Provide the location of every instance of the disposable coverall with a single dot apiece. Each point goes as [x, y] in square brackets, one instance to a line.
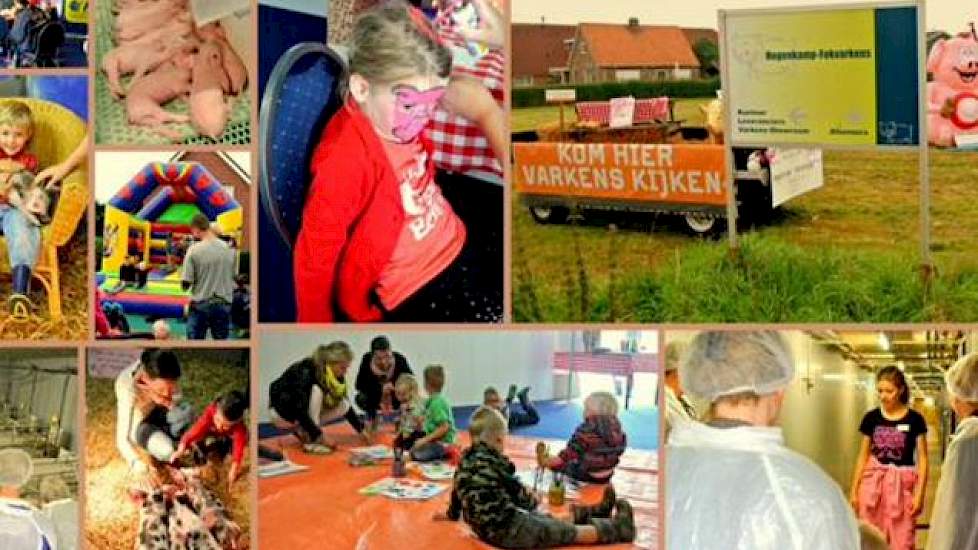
[740, 488]
[952, 523]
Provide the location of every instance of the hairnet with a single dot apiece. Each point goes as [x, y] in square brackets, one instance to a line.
[719, 363]
[962, 378]
[16, 467]
[674, 352]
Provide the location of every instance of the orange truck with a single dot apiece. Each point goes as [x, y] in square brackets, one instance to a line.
[555, 179]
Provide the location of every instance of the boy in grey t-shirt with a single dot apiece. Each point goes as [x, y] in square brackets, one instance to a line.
[208, 272]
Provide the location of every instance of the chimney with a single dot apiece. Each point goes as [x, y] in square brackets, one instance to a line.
[633, 22]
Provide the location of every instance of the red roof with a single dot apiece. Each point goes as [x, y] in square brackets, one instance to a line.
[637, 46]
[537, 48]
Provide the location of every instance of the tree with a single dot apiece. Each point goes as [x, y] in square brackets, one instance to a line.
[708, 55]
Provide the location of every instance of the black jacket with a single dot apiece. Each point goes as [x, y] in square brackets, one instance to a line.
[289, 396]
[371, 388]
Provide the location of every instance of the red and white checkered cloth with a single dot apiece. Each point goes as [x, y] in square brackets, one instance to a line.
[620, 364]
[460, 145]
[646, 110]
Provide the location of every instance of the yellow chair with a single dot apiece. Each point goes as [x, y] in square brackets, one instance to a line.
[57, 132]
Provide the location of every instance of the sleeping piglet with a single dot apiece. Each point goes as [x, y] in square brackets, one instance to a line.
[209, 111]
[149, 93]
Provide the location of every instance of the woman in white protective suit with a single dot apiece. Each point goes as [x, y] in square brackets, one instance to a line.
[953, 525]
[731, 484]
[22, 526]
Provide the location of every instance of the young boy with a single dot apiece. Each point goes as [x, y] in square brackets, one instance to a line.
[597, 444]
[223, 422]
[439, 423]
[410, 423]
[23, 237]
[501, 510]
[527, 417]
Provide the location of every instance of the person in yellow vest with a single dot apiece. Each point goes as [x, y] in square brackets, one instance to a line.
[313, 392]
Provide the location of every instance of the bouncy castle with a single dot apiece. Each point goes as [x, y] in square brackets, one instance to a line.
[147, 231]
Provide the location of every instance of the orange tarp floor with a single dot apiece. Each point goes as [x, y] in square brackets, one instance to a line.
[322, 508]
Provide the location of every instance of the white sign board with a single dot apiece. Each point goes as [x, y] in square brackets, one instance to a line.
[795, 172]
[561, 96]
[622, 112]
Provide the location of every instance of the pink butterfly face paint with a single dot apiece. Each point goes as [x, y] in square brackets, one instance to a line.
[413, 110]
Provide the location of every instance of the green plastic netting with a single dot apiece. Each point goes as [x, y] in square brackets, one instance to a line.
[111, 126]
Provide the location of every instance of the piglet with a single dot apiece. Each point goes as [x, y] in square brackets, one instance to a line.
[209, 111]
[213, 513]
[175, 29]
[149, 14]
[33, 200]
[140, 27]
[139, 61]
[153, 529]
[234, 67]
[144, 104]
[187, 529]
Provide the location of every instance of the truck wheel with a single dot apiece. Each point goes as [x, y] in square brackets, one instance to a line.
[549, 214]
[702, 225]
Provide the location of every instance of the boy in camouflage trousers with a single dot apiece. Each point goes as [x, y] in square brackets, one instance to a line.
[501, 511]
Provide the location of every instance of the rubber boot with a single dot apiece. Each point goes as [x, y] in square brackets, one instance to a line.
[583, 514]
[523, 396]
[18, 303]
[621, 528]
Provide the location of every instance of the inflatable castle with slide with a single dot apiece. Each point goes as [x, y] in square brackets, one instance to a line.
[147, 231]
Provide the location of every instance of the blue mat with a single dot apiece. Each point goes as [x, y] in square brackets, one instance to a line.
[557, 421]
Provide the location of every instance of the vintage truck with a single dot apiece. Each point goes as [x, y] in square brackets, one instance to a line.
[656, 167]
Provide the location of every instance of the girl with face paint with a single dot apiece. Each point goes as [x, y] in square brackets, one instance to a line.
[378, 240]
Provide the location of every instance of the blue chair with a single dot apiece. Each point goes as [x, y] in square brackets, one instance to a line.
[299, 99]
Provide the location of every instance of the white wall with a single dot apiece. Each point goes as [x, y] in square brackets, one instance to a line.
[472, 359]
[824, 406]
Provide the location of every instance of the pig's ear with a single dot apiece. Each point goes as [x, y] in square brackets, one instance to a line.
[936, 55]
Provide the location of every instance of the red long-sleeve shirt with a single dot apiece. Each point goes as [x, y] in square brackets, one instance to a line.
[205, 427]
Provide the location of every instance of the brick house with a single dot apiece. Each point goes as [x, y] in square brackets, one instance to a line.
[540, 53]
[608, 53]
[230, 174]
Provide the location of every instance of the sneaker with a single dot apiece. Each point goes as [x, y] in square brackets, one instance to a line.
[316, 449]
[511, 394]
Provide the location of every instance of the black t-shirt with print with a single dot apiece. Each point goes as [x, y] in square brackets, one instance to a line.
[893, 441]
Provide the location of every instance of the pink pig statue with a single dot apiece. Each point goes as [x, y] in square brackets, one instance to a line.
[952, 96]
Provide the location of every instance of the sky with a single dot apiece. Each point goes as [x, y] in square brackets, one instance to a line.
[950, 15]
[115, 169]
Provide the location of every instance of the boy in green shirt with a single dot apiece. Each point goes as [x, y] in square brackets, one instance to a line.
[439, 423]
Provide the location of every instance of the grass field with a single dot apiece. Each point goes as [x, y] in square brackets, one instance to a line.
[111, 518]
[846, 252]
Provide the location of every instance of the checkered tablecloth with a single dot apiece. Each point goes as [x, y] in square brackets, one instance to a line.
[460, 146]
[646, 110]
[621, 364]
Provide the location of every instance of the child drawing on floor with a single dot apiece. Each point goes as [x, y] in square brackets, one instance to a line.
[502, 511]
[378, 240]
[410, 424]
[220, 431]
[596, 445]
[439, 422]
